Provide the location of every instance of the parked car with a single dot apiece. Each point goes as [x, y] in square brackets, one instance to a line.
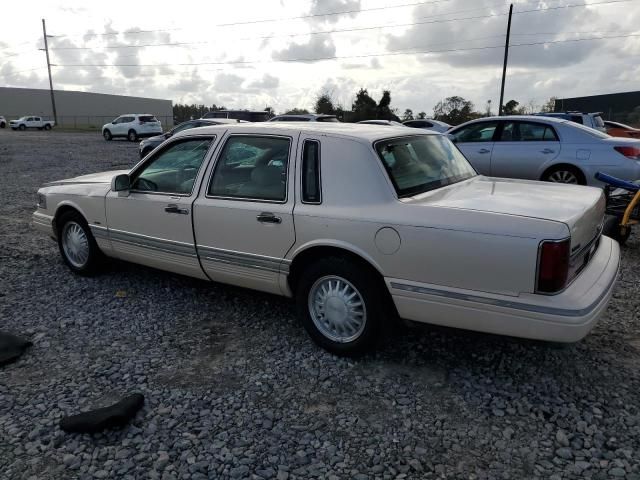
[592, 120]
[616, 129]
[31, 122]
[429, 124]
[243, 115]
[387, 222]
[132, 126]
[309, 117]
[3, 122]
[545, 148]
[388, 123]
[148, 144]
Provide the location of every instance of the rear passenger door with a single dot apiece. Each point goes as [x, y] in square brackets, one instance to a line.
[523, 149]
[243, 217]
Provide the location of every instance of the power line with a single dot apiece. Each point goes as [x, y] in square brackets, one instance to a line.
[358, 29]
[385, 54]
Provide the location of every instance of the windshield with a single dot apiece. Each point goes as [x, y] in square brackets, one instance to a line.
[421, 163]
[328, 119]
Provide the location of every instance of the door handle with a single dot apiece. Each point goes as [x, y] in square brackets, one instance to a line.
[484, 150]
[268, 217]
[173, 208]
[547, 150]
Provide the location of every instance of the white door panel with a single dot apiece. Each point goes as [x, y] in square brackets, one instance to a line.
[522, 159]
[479, 154]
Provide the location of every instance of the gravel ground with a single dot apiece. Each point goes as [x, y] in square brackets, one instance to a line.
[235, 389]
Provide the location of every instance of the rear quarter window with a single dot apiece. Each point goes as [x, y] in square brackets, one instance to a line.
[147, 118]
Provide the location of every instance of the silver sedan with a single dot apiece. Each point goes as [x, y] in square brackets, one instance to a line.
[538, 148]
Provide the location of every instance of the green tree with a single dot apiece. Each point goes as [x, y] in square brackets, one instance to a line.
[384, 111]
[324, 104]
[510, 108]
[549, 106]
[422, 115]
[364, 107]
[270, 112]
[455, 110]
[297, 111]
[407, 115]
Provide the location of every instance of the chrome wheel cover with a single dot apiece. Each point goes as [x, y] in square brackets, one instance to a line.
[337, 309]
[563, 176]
[75, 244]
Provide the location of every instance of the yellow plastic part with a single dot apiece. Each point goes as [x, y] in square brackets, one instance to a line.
[627, 213]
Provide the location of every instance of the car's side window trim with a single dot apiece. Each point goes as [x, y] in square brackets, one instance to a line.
[141, 166]
[318, 174]
[248, 199]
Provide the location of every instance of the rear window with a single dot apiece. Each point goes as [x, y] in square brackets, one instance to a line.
[147, 118]
[418, 164]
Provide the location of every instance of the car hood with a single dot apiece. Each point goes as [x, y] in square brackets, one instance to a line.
[157, 138]
[580, 208]
[102, 177]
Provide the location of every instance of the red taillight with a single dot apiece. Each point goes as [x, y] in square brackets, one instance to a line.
[553, 265]
[630, 152]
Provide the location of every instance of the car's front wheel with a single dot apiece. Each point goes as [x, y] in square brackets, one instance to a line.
[77, 245]
[22, 127]
[107, 135]
[3, 125]
[342, 305]
[132, 136]
[564, 174]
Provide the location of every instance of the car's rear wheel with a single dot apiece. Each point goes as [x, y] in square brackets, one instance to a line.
[22, 127]
[77, 245]
[342, 305]
[3, 125]
[132, 136]
[564, 174]
[107, 135]
[47, 127]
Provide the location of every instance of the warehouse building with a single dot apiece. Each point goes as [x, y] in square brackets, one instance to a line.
[620, 107]
[80, 109]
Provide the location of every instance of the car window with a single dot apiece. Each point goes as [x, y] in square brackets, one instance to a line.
[526, 132]
[577, 119]
[174, 169]
[311, 172]
[597, 121]
[185, 126]
[476, 132]
[30, 119]
[253, 167]
[147, 118]
[295, 119]
[418, 164]
[328, 119]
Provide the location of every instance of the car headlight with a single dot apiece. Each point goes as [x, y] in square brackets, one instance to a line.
[41, 201]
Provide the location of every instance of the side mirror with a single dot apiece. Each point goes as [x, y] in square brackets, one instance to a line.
[452, 138]
[120, 183]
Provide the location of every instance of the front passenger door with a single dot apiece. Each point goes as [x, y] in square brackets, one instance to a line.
[475, 141]
[151, 223]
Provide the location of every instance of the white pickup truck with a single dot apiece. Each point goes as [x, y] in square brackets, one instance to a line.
[31, 122]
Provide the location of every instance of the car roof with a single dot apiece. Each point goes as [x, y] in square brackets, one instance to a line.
[535, 118]
[306, 115]
[360, 132]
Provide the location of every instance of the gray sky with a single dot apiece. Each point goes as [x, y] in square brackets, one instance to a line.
[245, 61]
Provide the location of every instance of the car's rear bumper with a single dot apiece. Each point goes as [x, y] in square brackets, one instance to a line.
[566, 317]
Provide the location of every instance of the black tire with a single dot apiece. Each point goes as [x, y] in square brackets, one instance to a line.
[3, 125]
[107, 135]
[620, 237]
[566, 171]
[95, 257]
[132, 136]
[47, 127]
[22, 127]
[372, 291]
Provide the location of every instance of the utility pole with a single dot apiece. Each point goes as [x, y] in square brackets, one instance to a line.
[506, 56]
[46, 49]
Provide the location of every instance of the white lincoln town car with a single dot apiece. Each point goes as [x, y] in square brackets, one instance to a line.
[361, 224]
